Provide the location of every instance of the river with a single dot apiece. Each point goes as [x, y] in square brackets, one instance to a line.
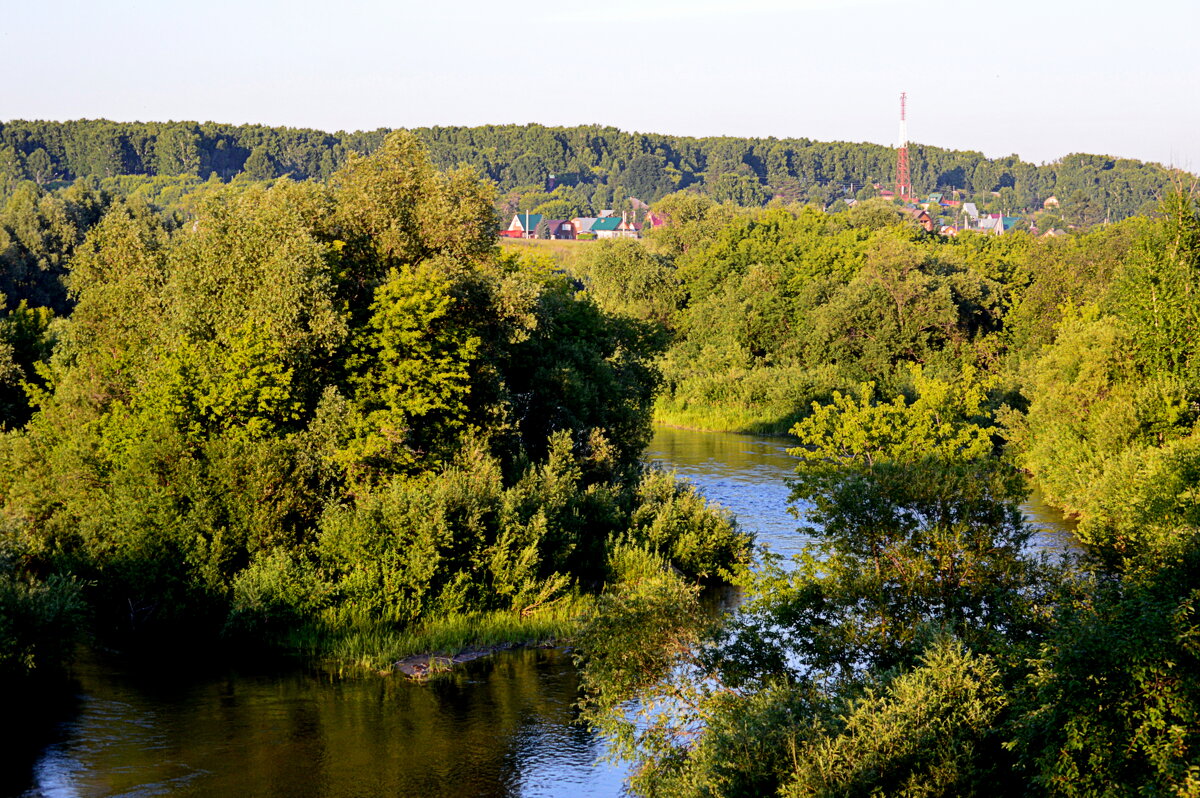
[497, 727]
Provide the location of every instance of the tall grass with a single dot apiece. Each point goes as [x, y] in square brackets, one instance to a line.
[369, 647]
[749, 419]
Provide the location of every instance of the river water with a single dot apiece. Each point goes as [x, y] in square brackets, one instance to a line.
[498, 727]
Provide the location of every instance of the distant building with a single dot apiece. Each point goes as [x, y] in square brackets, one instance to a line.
[923, 218]
[629, 228]
[583, 224]
[523, 225]
[998, 224]
[561, 229]
[606, 227]
[1051, 202]
[616, 227]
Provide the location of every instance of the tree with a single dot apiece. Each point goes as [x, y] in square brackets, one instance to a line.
[1158, 294]
[740, 189]
[11, 172]
[1113, 703]
[39, 166]
[258, 165]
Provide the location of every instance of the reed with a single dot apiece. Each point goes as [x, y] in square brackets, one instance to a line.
[372, 647]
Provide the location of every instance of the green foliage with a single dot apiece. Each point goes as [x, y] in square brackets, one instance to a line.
[335, 413]
[924, 733]
[39, 622]
[40, 619]
[412, 371]
[920, 523]
[1112, 706]
[625, 278]
[1111, 428]
[1157, 294]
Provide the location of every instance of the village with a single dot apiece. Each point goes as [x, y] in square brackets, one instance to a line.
[950, 216]
[937, 213]
[582, 228]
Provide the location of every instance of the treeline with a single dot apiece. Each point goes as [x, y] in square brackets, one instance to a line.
[330, 418]
[921, 645]
[594, 167]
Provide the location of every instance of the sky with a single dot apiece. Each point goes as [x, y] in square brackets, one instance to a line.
[1038, 78]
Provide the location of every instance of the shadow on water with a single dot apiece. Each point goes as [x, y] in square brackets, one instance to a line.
[37, 713]
[502, 727]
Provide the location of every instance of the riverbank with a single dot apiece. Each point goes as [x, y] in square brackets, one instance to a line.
[740, 420]
[381, 650]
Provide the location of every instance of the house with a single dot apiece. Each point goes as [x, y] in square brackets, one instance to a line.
[583, 224]
[887, 194]
[629, 228]
[1051, 202]
[923, 218]
[971, 211]
[523, 225]
[654, 220]
[991, 223]
[606, 227]
[949, 230]
[561, 229]
[997, 223]
[616, 227]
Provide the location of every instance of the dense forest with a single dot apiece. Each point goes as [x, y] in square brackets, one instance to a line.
[331, 416]
[565, 172]
[921, 645]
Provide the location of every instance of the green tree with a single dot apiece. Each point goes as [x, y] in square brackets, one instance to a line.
[39, 166]
[258, 165]
[1158, 294]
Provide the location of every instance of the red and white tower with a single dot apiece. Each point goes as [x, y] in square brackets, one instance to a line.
[903, 181]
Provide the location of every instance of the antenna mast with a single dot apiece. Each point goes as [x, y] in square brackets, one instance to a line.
[903, 181]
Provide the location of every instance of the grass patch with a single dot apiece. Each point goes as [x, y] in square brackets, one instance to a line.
[751, 420]
[378, 648]
[567, 254]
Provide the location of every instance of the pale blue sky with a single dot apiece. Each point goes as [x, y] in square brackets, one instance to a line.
[1041, 79]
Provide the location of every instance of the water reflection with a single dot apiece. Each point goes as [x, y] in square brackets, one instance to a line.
[500, 728]
[749, 476]
[746, 474]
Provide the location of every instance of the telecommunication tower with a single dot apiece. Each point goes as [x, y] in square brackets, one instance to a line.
[903, 181]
